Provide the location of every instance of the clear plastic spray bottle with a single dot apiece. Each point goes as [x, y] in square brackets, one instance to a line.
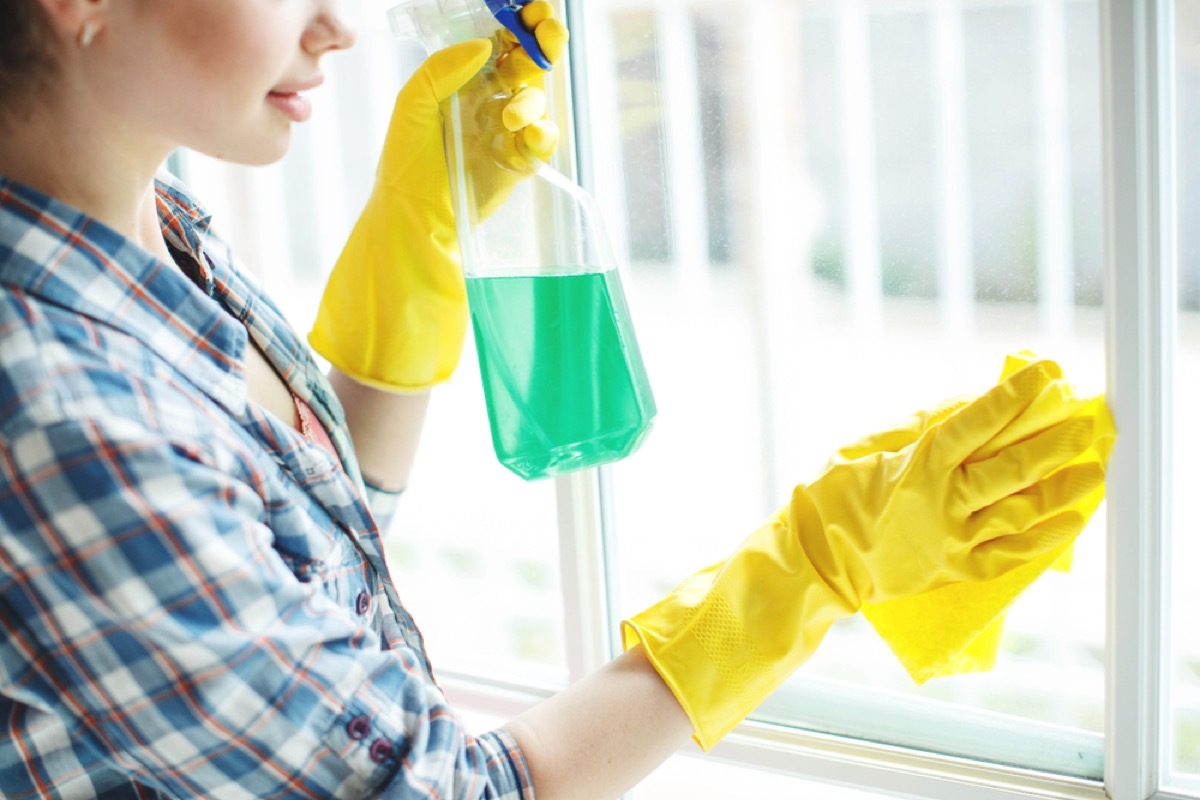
[563, 377]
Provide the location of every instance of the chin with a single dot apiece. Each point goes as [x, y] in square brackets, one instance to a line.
[256, 152]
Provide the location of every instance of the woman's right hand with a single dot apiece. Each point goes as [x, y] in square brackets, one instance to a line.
[946, 504]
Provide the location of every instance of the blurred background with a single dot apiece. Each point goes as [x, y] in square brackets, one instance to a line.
[833, 214]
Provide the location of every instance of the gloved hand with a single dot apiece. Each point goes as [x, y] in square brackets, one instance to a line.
[870, 528]
[1060, 398]
[394, 311]
[959, 628]
[506, 134]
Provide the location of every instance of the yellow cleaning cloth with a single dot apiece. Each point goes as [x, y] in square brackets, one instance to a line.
[957, 628]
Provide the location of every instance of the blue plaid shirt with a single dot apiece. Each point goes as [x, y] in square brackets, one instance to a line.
[193, 597]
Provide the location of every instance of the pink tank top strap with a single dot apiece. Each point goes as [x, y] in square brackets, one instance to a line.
[312, 428]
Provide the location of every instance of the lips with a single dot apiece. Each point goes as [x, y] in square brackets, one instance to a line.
[287, 98]
[295, 106]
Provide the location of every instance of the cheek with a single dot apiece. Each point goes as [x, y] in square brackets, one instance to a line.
[229, 43]
[197, 73]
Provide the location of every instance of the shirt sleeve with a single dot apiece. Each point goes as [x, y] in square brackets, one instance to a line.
[151, 611]
[383, 503]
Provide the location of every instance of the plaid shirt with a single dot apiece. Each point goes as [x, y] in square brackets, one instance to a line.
[193, 598]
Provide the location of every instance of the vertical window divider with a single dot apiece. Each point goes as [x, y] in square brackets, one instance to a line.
[586, 618]
[586, 559]
[1139, 311]
[596, 103]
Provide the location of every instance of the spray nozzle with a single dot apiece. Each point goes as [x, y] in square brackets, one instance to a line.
[508, 14]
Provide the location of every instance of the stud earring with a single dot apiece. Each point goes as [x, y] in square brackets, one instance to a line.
[87, 33]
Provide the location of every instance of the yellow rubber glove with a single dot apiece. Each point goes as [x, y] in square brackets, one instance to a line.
[871, 529]
[394, 311]
[959, 628]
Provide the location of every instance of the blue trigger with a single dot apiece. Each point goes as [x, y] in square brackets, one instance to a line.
[507, 13]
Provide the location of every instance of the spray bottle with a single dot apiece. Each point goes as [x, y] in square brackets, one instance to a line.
[563, 377]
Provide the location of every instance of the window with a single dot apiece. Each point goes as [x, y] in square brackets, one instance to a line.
[1185, 521]
[835, 212]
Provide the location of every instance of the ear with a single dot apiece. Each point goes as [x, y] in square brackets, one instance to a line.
[76, 20]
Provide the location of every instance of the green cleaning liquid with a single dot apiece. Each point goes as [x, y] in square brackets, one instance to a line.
[562, 374]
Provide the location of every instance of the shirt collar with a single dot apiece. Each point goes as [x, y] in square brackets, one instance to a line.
[185, 226]
[55, 252]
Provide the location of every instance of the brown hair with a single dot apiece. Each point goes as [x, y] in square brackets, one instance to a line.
[26, 53]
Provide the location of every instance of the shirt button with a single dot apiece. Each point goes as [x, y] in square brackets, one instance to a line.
[363, 604]
[381, 750]
[358, 727]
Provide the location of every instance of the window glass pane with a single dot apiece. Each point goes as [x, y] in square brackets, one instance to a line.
[894, 196]
[1185, 543]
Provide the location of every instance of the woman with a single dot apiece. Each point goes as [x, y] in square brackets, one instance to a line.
[194, 598]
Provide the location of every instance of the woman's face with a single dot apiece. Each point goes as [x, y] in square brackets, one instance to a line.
[223, 77]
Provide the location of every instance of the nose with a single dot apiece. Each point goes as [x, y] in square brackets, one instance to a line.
[328, 30]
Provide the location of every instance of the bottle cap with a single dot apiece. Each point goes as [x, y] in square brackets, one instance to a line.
[508, 14]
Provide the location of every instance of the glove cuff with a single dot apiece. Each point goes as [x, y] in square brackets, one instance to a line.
[729, 635]
[394, 312]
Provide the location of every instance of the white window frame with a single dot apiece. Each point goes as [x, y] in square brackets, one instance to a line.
[1137, 62]
[1138, 123]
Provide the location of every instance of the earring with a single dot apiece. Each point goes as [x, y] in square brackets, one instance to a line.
[88, 33]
